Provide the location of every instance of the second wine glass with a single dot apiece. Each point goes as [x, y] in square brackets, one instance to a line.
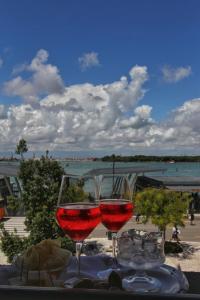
[76, 219]
[114, 214]
[115, 203]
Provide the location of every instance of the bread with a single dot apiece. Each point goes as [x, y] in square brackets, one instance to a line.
[46, 255]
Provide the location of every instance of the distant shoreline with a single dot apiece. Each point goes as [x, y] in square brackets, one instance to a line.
[118, 158]
[147, 158]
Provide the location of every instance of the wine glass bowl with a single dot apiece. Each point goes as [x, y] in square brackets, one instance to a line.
[78, 220]
[115, 213]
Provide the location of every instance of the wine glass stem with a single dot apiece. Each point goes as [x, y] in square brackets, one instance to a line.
[114, 240]
[78, 254]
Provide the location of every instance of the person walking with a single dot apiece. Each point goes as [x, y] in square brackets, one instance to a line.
[137, 218]
[192, 218]
[175, 234]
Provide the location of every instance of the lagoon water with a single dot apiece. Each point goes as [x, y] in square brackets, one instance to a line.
[187, 169]
[172, 169]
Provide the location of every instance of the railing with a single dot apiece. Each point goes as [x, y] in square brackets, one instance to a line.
[28, 293]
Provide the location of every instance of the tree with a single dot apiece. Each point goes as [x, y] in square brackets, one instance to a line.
[21, 148]
[75, 192]
[162, 206]
[41, 181]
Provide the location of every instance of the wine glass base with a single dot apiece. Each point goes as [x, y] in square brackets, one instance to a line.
[141, 284]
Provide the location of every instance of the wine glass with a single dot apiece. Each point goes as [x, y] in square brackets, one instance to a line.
[116, 209]
[141, 251]
[115, 204]
[77, 219]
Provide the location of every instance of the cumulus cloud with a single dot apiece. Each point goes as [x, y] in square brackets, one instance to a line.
[84, 116]
[171, 74]
[88, 60]
[1, 62]
[69, 126]
[45, 79]
[92, 117]
[141, 118]
[181, 130]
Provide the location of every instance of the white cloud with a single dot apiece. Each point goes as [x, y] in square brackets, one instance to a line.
[22, 88]
[140, 119]
[1, 62]
[181, 130]
[84, 116]
[88, 60]
[59, 126]
[171, 74]
[92, 117]
[45, 79]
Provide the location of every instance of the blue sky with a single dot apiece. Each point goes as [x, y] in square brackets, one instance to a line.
[98, 42]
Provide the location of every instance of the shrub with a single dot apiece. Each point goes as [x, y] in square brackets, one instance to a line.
[172, 247]
[41, 181]
[162, 206]
[13, 204]
[12, 244]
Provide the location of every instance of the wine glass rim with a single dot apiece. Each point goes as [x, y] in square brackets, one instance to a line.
[93, 204]
[115, 200]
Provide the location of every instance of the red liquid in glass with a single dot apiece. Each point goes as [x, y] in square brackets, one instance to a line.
[78, 220]
[114, 214]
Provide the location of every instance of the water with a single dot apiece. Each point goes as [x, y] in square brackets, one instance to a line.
[187, 170]
[175, 169]
[80, 167]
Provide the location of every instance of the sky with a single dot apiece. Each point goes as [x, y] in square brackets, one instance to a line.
[100, 77]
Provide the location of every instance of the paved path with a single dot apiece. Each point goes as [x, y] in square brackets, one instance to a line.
[16, 223]
[188, 233]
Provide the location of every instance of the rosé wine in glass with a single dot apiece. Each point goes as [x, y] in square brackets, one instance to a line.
[115, 213]
[78, 219]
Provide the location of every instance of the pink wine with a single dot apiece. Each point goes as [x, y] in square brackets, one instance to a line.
[115, 213]
[78, 220]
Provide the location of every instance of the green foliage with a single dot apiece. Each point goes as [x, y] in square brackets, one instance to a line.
[67, 244]
[21, 148]
[162, 206]
[41, 181]
[75, 192]
[13, 203]
[12, 244]
[145, 158]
